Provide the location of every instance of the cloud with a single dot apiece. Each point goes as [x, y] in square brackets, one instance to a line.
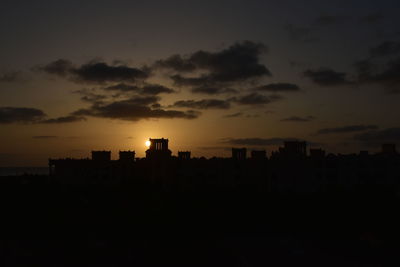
[65, 119]
[302, 34]
[347, 129]
[44, 137]
[256, 99]
[9, 77]
[328, 20]
[327, 77]
[239, 62]
[178, 63]
[278, 87]
[298, 119]
[134, 109]
[10, 115]
[179, 80]
[147, 89]
[122, 87]
[203, 104]
[381, 136]
[20, 115]
[386, 75]
[89, 96]
[372, 18]
[387, 48]
[155, 89]
[224, 148]
[60, 67]
[257, 141]
[234, 115]
[212, 90]
[95, 72]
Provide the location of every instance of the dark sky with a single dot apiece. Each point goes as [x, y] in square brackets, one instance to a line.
[82, 75]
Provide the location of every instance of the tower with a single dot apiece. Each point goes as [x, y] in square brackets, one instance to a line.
[158, 149]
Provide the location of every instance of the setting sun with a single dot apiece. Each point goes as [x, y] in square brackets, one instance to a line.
[147, 143]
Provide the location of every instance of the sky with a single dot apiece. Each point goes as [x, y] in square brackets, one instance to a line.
[77, 76]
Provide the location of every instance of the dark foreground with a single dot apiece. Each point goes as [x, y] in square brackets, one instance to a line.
[65, 225]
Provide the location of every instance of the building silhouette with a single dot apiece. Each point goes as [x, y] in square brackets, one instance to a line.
[317, 153]
[294, 149]
[184, 155]
[258, 154]
[127, 156]
[101, 156]
[389, 149]
[158, 149]
[239, 153]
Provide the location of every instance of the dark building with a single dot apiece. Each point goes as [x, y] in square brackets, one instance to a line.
[239, 153]
[101, 155]
[317, 153]
[258, 154]
[158, 149]
[294, 149]
[127, 156]
[389, 149]
[184, 155]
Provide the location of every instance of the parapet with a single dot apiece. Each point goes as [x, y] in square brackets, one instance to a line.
[184, 155]
[101, 155]
[239, 153]
[127, 156]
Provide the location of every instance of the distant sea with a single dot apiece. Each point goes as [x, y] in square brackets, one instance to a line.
[16, 171]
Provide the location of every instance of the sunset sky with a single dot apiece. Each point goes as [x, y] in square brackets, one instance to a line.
[77, 76]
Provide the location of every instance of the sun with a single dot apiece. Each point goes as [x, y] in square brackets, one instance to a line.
[147, 143]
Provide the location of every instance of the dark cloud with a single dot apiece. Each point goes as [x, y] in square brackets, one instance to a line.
[390, 74]
[156, 105]
[298, 119]
[234, 115]
[147, 89]
[327, 20]
[203, 104]
[155, 89]
[387, 48]
[44, 137]
[176, 62]
[20, 115]
[278, 87]
[60, 67]
[32, 115]
[372, 17]
[239, 62]
[302, 34]
[89, 96]
[327, 77]
[95, 72]
[134, 109]
[99, 72]
[212, 90]
[256, 99]
[9, 77]
[122, 87]
[347, 129]
[386, 75]
[65, 119]
[256, 141]
[364, 68]
[179, 80]
[381, 136]
[225, 148]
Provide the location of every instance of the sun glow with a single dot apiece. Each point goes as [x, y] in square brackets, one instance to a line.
[147, 143]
